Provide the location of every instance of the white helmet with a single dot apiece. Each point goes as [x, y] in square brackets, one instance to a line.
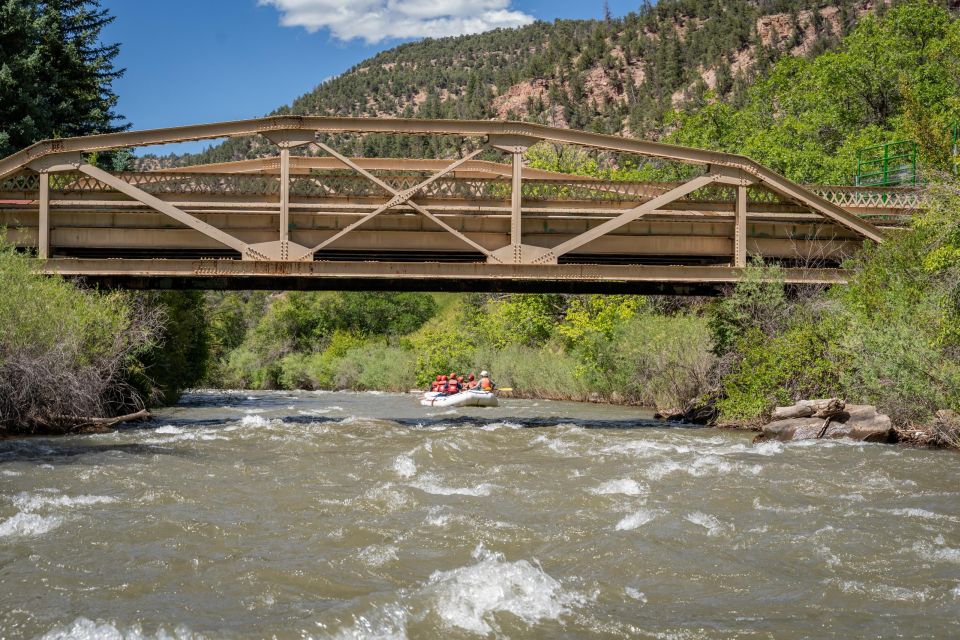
[484, 374]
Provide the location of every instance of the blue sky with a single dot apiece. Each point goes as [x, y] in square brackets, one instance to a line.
[192, 61]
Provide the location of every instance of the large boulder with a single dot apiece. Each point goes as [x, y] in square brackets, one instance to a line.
[829, 418]
[793, 429]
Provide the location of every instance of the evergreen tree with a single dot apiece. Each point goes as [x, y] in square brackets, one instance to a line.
[55, 75]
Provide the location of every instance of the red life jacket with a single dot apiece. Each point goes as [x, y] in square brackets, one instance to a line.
[453, 386]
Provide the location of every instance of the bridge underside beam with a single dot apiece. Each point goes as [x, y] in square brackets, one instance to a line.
[418, 276]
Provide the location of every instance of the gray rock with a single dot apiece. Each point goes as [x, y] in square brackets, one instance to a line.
[857, 422]
[793, 429]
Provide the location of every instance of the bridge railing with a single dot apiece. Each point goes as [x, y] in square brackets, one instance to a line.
[874, 200]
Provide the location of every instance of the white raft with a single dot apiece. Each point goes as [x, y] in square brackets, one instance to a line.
[468, 398]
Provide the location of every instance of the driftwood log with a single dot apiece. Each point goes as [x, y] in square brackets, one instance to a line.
[85, 423]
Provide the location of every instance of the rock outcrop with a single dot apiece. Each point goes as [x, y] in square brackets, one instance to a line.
[829, 418]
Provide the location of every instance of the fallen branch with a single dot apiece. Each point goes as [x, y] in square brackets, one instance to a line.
[82, 422]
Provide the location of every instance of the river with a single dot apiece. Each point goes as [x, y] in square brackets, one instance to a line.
[344, 515]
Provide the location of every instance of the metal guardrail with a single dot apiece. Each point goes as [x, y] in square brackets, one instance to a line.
[856, 198]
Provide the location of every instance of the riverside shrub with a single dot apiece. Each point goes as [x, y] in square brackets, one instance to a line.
[65, 351]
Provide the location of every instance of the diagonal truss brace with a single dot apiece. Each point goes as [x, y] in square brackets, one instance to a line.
[551, 255]
[164, 207]
[401, 197]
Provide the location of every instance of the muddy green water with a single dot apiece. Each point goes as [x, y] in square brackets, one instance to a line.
[332, 515]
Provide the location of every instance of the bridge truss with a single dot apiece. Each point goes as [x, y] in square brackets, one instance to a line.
[312, 217]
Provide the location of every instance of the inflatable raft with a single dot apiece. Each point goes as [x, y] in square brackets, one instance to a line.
[468, 398]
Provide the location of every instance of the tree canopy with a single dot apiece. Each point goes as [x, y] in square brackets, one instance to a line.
[56, 75]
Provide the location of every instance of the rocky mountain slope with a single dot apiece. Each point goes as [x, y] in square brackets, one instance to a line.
[614, 75]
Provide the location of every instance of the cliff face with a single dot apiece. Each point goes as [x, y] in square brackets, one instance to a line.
[612, 76]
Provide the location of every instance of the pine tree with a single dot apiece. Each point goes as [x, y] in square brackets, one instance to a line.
[55, 75]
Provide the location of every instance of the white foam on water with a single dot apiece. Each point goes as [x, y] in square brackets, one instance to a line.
[9, 473]
[405, 466]
[955, 592]
[920, 513]
[387, 623]
[709, 522]
[34, 501]
[710, 464]
[195, 435]
[84, 629]
[937, 552]
[768, 448]
[441, 520]
[636, 594]
[253, 420]
[493, 426]
[430, 484]
[659, 470]
[880, 591]
[635, 520]
[645, 448]
[168, 429]
[554, 444]
[467, 598]
[378, 555]
[624, 486]
[24, 524]
[762, 507]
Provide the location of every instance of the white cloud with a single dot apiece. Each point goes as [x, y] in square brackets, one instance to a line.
[377, 20]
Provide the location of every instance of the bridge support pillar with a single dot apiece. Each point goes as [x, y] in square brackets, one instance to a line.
[284, 194]
[43, 224]
[516, 197]
[740, 229]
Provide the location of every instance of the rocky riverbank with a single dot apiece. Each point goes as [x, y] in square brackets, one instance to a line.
[832, 418]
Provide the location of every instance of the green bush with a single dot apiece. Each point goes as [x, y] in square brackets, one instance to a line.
[65, 351]
[662, 360]
[802, 363]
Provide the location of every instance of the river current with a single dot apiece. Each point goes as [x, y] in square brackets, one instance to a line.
[342, 515]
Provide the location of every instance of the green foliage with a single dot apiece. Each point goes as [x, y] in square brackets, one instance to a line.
[893, 77]
[890, 337]
[64, 351]
[520, 319]
[588, 328]
[661, 360]
[179, 359]
[55, 74]
[757, 303]
[801, 363]
[440, 350]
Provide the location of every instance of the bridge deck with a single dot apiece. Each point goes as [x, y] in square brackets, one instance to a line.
[334, 221]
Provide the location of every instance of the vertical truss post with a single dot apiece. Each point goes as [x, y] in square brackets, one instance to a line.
[283, 249]
[43, 224]
[515, 252]
[740, 229]
[284, 193]
[516, 196]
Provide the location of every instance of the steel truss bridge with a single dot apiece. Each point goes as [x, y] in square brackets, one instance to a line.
[317, 219]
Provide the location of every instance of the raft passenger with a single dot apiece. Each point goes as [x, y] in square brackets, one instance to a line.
[486, 384]
[452, 385]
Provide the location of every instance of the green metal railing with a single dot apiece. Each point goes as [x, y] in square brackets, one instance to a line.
[887, 165]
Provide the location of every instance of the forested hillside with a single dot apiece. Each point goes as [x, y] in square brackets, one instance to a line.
[617, 75]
